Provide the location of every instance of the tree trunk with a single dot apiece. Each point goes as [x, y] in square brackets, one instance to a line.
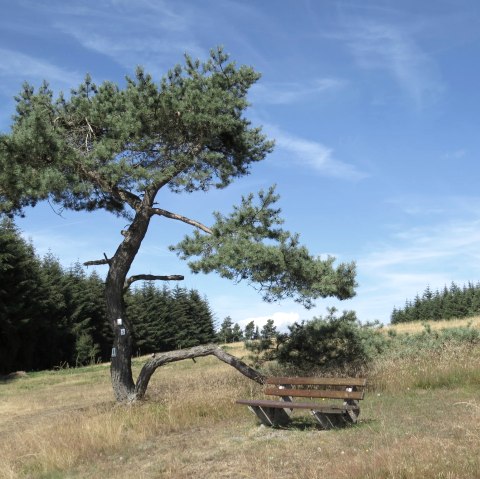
[197, 351]
[119, 265]
[121, 359]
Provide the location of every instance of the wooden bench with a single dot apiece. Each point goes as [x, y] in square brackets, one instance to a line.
[278, 412]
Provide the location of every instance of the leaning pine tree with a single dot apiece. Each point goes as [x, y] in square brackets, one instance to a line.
[115, 148]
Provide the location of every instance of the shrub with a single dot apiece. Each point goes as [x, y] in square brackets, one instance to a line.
[333, 342]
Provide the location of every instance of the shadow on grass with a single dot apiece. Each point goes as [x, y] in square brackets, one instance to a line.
[13, 376]
[310, 424]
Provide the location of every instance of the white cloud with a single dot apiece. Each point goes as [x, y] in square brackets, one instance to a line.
[288, 93]
[312, 154]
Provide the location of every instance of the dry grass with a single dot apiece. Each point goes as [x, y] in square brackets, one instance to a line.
[413, 425]
[418, 326]
[453, 366]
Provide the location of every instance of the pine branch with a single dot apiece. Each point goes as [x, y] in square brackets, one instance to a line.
[151, 277]
[119, 193]
[98, 262]
[184, 219]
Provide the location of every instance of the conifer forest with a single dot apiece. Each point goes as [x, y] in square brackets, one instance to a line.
[52, 316]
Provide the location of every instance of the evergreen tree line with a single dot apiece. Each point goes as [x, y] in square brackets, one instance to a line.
[50, 315]
[232, 333]
[451, 302]
[165, 319]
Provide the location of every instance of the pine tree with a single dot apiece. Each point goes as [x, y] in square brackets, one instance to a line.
[237, 333]
[80, 322]
[101, 332]
[185, 324]
[452, 302]
[475, 308]
[395, 316]
[225, 335]
[269, 330]
[202, 317]
[249, 331]
[168, 326]
[145, 314]
[20, 296]
[57, 345]
[426, 305]
[115, 149]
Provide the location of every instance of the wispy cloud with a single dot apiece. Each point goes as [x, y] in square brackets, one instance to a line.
[312, 154]
[147, 33]
[288, 93]
[18, 66]
[61, 245]
[431, 246]
[457, 206]
[393, 49]
[148, 51]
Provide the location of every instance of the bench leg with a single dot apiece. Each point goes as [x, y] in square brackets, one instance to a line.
[352, 414]
[271, 416]
[332, 421]
[329, 421]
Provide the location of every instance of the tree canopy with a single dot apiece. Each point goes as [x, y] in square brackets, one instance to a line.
[106, 147]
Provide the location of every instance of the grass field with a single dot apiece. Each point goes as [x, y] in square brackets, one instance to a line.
[420, 419]
[415, 327]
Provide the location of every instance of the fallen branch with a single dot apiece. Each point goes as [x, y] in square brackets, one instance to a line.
[208, 350]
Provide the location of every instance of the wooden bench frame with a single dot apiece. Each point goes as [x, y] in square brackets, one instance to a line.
[278, 412]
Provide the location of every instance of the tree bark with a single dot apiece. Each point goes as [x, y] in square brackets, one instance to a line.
[121, 362]
[119, 265]
[198, 351]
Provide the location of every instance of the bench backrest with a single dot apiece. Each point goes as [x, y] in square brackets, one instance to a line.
[328, 388]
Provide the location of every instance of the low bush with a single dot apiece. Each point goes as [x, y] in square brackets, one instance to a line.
[331, 343]
[338, 344]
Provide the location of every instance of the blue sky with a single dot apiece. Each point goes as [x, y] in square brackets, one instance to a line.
[373, 105]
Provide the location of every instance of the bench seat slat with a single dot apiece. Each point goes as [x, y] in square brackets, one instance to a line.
[296, 405]
[315, 393]
[358, 382]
